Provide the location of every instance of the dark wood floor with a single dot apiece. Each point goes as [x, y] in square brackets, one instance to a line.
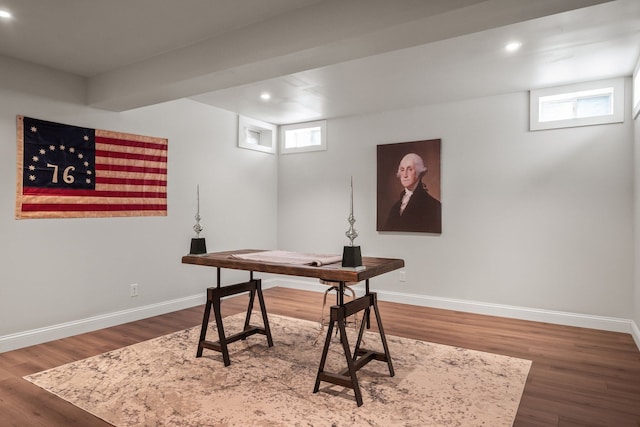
[579, 377]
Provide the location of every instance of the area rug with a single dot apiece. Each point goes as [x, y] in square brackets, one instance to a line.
[160, 382]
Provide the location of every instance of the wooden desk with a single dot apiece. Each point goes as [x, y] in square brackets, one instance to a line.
[339, 313]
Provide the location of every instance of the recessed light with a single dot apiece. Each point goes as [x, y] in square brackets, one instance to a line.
[265, 96]
[5, 14]
[513, 46]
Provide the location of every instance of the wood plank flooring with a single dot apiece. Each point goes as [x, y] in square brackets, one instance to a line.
[579, 377]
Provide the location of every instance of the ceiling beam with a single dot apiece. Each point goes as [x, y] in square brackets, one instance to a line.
[322, 34]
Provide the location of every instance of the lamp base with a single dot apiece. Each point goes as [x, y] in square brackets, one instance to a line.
[351, 256]
[198, 246]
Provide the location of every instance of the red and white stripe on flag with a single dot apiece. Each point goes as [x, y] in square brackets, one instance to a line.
[130, 180]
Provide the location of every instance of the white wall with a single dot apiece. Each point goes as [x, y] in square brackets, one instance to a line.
[541, 220]
[530, 219]
[54, 271]
[636, 299]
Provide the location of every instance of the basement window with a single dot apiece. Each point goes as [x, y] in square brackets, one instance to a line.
[302, 137]
[256, 135]
[583, 104]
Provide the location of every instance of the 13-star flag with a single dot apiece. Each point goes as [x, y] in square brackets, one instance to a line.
[69, 171]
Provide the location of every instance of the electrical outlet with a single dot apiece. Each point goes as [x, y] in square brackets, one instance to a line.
[403, 276]
[133, 290]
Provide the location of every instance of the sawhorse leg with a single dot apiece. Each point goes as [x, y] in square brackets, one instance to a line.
[360, 357]
[214, 296]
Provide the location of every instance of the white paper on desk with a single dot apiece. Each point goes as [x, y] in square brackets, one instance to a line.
[286, 257]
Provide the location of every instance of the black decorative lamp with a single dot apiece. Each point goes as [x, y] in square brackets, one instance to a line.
[351, 255]
[198, 244]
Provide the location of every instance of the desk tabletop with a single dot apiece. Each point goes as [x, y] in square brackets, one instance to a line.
[331, 272]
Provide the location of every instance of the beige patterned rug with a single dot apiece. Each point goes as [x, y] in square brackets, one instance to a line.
[161, 383]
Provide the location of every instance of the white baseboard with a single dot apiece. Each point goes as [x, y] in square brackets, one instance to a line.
[537, 315]
[635, 333]
[63, 330]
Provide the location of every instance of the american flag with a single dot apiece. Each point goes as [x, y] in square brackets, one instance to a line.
[68, 171]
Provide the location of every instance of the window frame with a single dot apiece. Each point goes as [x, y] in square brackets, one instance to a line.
[266, 131]
[636, 90]
[322, 124]
[617, 115]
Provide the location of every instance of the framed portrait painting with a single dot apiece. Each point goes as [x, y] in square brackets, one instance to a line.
[409, 187]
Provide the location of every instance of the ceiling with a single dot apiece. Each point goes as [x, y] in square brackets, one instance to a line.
[319, 58]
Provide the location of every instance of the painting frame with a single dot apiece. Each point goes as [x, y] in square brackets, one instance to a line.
[419, 209]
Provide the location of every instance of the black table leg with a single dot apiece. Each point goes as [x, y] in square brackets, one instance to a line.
[360, 357]
[214, 297]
